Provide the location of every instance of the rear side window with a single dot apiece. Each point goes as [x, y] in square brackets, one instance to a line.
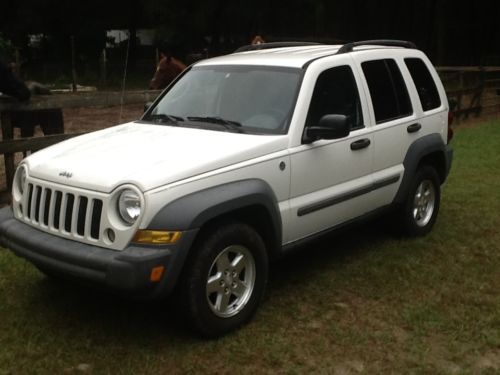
[388, 90]
[426, 87]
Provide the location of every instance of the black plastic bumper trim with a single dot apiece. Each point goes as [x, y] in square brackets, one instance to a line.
[126, 271]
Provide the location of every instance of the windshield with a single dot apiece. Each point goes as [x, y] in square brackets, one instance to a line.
[250, 99]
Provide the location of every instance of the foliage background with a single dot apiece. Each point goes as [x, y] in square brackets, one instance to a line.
[449, 31]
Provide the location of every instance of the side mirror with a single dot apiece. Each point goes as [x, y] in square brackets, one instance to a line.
[329, 127]
[147, 106]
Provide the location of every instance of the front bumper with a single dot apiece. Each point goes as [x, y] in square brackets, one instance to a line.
[126, 271]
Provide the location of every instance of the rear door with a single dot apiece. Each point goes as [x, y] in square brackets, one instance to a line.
[393, 119]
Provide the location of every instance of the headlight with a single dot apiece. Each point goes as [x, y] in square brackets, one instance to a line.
[20, 179]
[129, 206]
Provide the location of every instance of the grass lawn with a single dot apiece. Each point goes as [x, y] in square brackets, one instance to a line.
[361, 302]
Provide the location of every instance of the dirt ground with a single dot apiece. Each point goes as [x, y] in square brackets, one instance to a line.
[78, 120]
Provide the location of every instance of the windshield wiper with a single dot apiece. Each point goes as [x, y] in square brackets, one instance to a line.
[161, 117]
[228, 124]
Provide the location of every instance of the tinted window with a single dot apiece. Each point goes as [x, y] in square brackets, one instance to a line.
[387, 90]
[426, 88]
[336, 93]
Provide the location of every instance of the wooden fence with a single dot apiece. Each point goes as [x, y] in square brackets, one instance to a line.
[472, 91]
[9, 146]
[80, 99]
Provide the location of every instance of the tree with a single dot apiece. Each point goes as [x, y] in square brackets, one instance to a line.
[437, 26]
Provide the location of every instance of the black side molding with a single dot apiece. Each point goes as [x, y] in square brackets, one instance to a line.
[350, 195]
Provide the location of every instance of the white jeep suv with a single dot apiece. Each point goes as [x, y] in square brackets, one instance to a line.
[241, 159]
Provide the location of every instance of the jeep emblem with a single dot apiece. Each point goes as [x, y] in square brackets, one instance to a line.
[66, 174]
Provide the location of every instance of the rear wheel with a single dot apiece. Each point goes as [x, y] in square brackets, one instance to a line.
[225, 279]
[420, 210]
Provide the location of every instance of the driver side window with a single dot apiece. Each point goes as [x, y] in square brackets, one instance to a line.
[336, 92]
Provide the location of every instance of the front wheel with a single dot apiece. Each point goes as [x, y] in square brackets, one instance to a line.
[420, 210]
[225, 279]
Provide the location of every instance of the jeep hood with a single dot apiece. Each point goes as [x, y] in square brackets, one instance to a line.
[145, 155]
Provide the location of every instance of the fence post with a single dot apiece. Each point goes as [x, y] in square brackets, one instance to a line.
[73, 69]
[7, 133]
[104, 61]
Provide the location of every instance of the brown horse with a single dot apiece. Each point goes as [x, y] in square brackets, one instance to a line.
[168, 68]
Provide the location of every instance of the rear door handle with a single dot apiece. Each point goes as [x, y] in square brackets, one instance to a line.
[413, 128]
[360, 144]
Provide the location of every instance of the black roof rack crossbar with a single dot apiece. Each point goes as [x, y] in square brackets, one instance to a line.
[377, 42]
[255, 47]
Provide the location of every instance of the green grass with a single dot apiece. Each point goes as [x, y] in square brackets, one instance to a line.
[364, 301]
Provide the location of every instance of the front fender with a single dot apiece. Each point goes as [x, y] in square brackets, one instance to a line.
[192, 211]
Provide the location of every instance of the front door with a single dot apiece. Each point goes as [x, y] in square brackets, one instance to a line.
[330, 179]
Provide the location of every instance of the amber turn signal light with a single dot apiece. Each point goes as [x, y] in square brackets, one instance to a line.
[156, 274]
[156, 237]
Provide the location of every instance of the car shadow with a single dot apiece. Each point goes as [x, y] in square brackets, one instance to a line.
[332, 250]
[82, 309]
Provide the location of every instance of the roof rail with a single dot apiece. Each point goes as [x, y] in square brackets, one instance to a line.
[255, 47]
[376, 42]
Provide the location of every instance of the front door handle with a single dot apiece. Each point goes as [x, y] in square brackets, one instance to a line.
[413, 128]
[360, 144]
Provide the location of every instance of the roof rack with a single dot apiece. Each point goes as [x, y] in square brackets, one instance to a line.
[376, 42]
[255, 47]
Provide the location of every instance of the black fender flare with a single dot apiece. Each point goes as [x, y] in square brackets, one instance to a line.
[192, 211]
[419, 149]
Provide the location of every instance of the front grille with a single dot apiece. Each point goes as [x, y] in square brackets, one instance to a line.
[68, 213]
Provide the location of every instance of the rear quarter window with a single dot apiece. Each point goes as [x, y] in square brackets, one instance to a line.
[426, 87]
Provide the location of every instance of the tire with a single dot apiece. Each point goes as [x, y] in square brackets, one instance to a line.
[225, 279]
[420, 210]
